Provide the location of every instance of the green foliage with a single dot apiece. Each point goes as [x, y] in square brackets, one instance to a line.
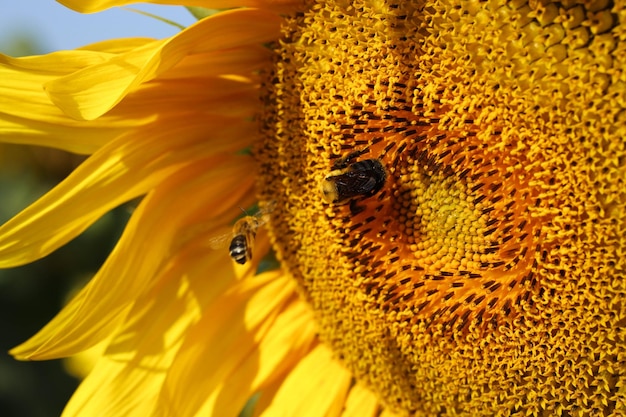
[32, 294]
[21, 43]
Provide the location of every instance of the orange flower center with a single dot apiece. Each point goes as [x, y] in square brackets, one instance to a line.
[464, 283]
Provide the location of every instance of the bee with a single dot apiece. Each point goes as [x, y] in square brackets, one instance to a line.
[243, 234]
[350, 180]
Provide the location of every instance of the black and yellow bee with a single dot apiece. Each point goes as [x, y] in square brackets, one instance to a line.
[351, 181]
[243, 234]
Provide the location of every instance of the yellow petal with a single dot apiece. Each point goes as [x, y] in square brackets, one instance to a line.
[116, 389]
[128, 378]
[125, 168]
[90, 6]
[27, 115]
[316, 387]
[263, 399]
[150, 240]
[361, 403]
[241, 60]
[91, 92]
[288, 339]
[82, 363]
[116, 46]
[225, 342]
[230, 96]
[286, 342]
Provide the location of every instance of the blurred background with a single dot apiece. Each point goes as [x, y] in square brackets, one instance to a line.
[31, 295]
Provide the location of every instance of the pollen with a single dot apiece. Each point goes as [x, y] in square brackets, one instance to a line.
[487, 276]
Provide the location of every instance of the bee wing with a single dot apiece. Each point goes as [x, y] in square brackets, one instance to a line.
[262, 216]
[221, 241]
[261, 219]
[269, 207]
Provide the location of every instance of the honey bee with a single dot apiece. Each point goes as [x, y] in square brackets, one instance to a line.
[350, 181]
[243, 234]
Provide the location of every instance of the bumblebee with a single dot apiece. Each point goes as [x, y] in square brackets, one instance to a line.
[351, 180]
[242, 236]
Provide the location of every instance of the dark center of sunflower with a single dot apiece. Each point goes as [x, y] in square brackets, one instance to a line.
[431, 287]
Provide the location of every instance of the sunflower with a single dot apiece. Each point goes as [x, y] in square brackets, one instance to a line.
[469, 262]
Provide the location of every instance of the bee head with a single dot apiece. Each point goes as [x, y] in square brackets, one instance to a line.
[329, 190]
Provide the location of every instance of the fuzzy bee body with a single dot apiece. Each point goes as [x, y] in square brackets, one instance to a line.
[241, 239]
[351, 181]
[359, 180]
[244, 233]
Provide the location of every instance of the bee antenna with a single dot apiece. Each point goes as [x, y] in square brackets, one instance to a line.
[242, 209]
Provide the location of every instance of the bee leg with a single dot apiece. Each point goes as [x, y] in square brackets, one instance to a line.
[355, 208]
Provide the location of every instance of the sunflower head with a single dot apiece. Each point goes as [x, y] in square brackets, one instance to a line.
[444, 182]
[485, 271]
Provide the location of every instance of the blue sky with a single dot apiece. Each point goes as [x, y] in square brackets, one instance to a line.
[57, 27]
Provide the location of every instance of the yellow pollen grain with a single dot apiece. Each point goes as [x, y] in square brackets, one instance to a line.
[487, 277]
